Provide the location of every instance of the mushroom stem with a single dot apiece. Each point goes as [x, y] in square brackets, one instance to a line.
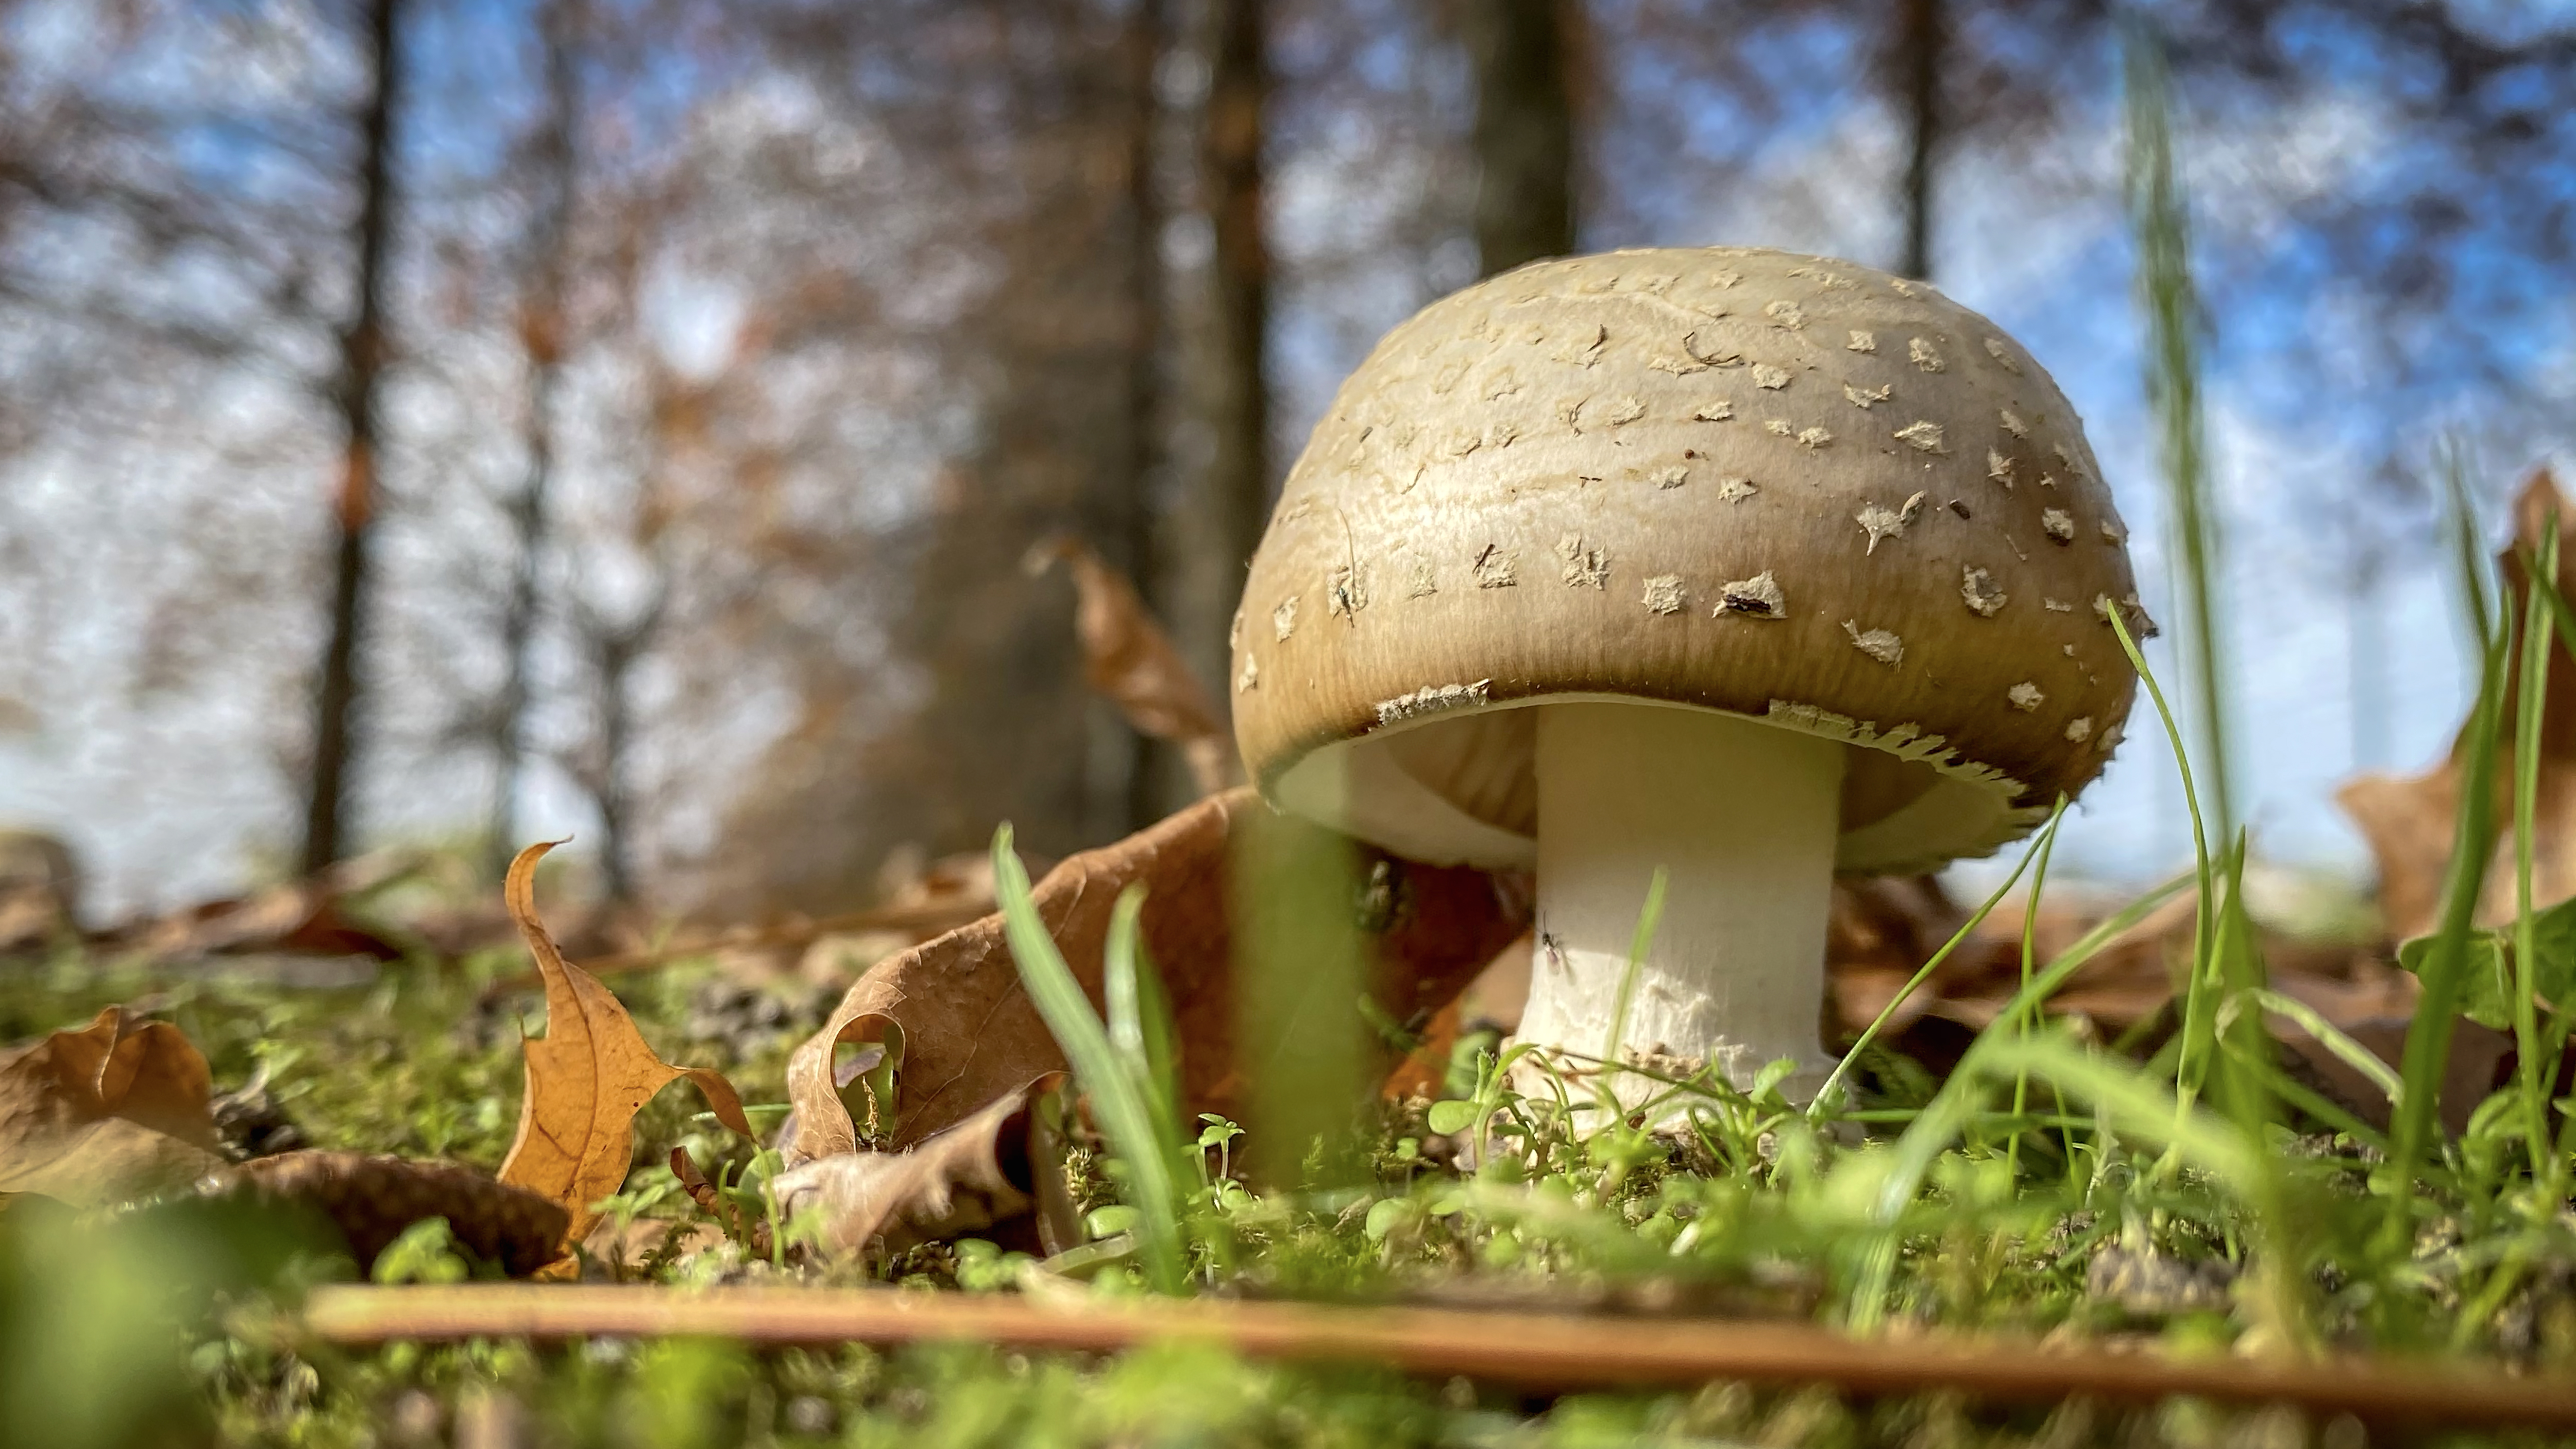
[1743, 817]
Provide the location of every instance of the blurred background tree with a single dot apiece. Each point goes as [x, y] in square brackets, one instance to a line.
[627, 417]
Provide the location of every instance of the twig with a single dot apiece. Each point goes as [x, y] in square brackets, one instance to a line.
[1551, 1351]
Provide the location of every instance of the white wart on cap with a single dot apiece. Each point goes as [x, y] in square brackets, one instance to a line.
[1846, 526]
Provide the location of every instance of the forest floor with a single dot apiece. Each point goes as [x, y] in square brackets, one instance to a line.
[2128, 1221]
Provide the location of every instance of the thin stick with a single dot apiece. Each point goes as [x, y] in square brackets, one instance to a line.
[1537, 1350]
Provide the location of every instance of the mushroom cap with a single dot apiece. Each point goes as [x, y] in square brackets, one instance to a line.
[1782, 486]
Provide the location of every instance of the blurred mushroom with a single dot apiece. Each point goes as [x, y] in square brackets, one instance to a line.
[1809, 566]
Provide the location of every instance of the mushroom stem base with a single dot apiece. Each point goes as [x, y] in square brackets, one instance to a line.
[1743, 817]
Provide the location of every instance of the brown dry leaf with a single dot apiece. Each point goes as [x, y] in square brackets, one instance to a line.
[372, 1199]
[1131, 662]
[109, 1111]
[970, 1037]
[587, 1076]
[950, 1183]
[2409, 823]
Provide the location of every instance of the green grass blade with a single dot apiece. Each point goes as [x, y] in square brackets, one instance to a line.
[1117, 1098]
[1922, 974]
[2307, 1100]
[1140, 1017]
[2332, 1037]
[2029, 949]
[2470, 557]
[2200, 1005]
[2238, 969]
[1648, 918]
[1949, 1110]
[2428, 1040]
[2554, 1038]
[2139, 1105]
[1118, 984]
[2559, 609]
[2160, 219]
[2537, 639]
[1301, 966]
[2279, 1296]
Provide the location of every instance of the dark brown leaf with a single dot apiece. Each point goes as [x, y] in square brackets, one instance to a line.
[970, 1037]
[372, 1199]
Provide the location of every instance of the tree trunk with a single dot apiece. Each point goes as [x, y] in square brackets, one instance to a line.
[615, 653]
[362, 357]
[1151, 769]
[1237, 485]
[1219, 499]
[1923, 33]
[1521, 53]
[542, 334]
[1005, 728]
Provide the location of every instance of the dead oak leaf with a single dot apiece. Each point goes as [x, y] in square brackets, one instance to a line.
[2410, 823]
[108, 1111]
[587, 1076]
[968, 1036]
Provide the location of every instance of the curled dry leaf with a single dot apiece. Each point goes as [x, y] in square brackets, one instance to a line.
[112, 1110]
[371, 1199]
[1131, 662]
[970, 1036]
[954, 1181]
[2410, 823]
[587, 1077]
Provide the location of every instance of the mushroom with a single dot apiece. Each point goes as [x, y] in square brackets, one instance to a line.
[1873, 714]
